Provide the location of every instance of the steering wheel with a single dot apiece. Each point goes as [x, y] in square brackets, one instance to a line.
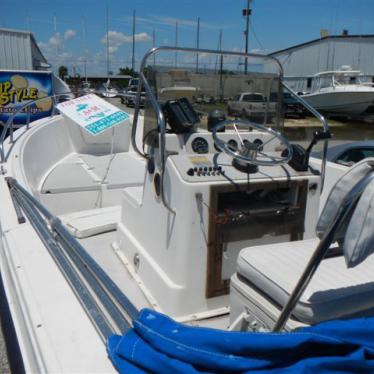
[252, 153]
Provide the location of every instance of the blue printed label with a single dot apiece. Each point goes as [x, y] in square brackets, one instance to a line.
[105, 123]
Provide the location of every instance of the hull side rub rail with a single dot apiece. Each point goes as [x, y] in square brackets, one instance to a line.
[86, 299]
[75, 262]
[57, 226]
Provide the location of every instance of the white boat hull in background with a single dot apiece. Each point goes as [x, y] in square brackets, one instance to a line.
[109, 94]
[353, 103]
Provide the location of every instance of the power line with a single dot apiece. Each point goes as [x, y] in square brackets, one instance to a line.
[255, 35]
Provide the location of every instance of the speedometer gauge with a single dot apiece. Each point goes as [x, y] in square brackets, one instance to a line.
[200, 145]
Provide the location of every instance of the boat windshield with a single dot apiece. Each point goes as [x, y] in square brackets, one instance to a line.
[346, 79]
[335, 79]
[218, 87]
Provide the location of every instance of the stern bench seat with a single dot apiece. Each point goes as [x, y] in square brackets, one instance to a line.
[334, 291]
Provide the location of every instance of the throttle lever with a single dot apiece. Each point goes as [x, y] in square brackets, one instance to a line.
[317, 136]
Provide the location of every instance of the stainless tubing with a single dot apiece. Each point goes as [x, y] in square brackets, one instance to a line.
[89, 304]
[74, 245]
[321, 251]
[326, 128]
[157, 109]
[9, 122]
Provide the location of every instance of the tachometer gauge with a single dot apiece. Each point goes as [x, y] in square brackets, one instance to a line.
[233, 145]
[200, 145]
[259, 144]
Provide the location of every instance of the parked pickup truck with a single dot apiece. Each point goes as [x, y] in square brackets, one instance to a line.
[250, 105]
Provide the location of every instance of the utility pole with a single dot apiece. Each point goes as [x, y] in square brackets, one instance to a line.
[220, 66]
[55, 31]
[133, 42]
[176, 43]
[197, 44]
[107, 41]
[84, 49]
[246, 13]
[154, 45]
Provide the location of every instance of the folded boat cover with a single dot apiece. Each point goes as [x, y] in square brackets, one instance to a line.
[157, 344]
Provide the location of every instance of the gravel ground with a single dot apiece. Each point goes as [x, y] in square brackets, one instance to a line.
[4, 366]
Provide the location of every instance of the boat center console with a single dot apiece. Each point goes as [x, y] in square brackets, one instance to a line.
[216, 184]
[185, 255]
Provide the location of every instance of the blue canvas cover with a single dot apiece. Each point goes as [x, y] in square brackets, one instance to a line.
[157, 344]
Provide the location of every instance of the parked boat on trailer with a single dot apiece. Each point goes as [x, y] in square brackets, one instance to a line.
[341, 93]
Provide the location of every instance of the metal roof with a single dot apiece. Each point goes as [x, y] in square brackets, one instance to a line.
[20, 51]
[330, 37]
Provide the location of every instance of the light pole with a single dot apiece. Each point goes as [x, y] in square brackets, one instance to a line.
[246, 13]
[133, 42]
[176, 43]
[197, 44]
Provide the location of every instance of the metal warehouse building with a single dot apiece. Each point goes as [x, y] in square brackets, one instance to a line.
[328, 53]
[19, 51]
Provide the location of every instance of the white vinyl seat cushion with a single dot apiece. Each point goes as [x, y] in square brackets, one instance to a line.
[334, 291]
[91, 222]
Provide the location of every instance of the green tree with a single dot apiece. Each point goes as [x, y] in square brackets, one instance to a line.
[126, 71]
[62, 72]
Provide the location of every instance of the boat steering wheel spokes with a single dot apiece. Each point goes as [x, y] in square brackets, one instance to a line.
[249, 152]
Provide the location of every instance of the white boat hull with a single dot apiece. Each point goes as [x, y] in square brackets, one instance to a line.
[110, 94]
[347, 103]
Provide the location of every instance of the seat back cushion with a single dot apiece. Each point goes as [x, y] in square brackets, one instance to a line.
[359, 239]
[339, 192]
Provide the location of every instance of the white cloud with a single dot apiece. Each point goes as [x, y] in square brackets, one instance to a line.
[55, 40]
[69, 34]
[116, 39]
[54, 49]
[113, 49]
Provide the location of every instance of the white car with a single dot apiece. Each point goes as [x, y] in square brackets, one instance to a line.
[250, 105]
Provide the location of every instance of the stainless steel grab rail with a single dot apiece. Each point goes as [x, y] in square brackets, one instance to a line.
[54, 235]
[88, 302]
[320, 252]
[9, 125]
[326, 128]
[156, 106]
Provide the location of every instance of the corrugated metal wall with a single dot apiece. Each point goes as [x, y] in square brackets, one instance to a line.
[15, 50]
[329, 54]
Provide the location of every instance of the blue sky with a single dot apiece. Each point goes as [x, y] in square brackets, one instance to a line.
[275, 24]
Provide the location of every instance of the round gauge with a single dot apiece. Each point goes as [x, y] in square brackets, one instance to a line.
[259, 144]
[200, 145]
[233, 145]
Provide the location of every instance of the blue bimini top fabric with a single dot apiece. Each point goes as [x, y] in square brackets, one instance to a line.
[157, 344]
